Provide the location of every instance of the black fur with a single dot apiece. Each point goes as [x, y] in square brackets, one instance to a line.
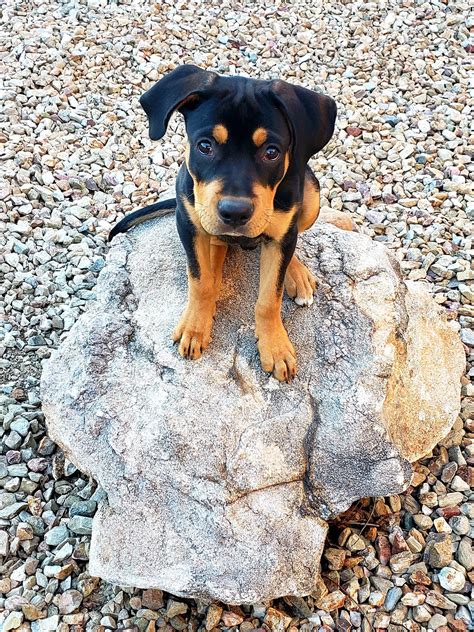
[159, 209]
[299, 123]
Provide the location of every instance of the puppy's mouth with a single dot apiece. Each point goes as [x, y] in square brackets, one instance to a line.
[239, 231]
[247, 243]
[213, 224]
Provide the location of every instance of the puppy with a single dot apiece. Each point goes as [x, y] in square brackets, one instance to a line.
[245, 181]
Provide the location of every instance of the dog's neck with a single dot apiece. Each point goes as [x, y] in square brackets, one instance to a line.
[290, 191]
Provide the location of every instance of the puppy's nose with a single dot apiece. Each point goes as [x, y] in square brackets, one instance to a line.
[235, 211]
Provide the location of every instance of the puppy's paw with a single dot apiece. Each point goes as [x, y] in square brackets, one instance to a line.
[193, 333]
[299, 282]
[277, 354]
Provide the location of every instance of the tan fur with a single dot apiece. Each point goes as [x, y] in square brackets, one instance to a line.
[259, 136]
[311, 205]
[206, 197]
[220, 133]
[280, 223]
[218, 254]
[300, 283]
[277, 354]
[194, 328]
[202, 214]
[265, 218]
[207, 194]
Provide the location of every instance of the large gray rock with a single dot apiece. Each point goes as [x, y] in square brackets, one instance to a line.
[218, 477]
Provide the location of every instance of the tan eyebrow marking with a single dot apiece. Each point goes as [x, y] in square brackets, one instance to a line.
[220, 133]
[259, 136]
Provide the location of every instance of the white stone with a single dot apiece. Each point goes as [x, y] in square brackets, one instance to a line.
[50, 624]
[203, 462]
[424, 126]
[12, 621]
[459, 484]
[451, 579]
[3, 543]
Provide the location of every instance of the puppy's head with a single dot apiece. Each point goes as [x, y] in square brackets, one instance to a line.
[245, 136]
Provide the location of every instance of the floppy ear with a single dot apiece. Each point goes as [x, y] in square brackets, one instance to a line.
[171, 93]
[311, 117]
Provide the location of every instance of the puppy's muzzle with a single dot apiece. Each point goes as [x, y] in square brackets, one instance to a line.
[235, 211]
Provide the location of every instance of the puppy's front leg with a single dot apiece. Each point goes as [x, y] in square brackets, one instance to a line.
[204, 272]
[277, 354]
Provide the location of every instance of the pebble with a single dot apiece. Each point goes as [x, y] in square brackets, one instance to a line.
[423, 522]
[439, 551]
[335, 558]
[441, 525]
[332, 601]
[461, 600]
[231, 619]
[444, 154]
[56, 535]
[381, 584]
[438, 600]
[424, 126]
[108, 622]
[175, 608]
[460, 485]
[401, 562]
[69, 601]
[10, 511]
[31, 612]
[451, 579]
[83, 508]
[12, 621]
[393, 597]
[383, 548]
[412, 599]
[465, 554]
[153, 598]
[49, 624]
[3, 543]
[436, 621]
[453, 498]
[213, 616]
[421, 614]
[276, 620]
[80, 525]
[376, 598]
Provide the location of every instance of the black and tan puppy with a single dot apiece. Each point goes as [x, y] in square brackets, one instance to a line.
[245, 181]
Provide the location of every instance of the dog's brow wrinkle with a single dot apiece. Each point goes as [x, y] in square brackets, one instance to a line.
[259, 136]
[220, 133]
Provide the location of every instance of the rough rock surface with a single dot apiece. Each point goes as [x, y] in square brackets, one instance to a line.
[219, 473]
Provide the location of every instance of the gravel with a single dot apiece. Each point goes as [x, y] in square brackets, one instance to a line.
[76, 156]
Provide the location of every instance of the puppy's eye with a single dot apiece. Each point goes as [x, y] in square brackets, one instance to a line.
[271, 153]
[205, 147]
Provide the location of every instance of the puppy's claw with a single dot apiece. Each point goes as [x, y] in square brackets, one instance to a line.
[193, 335]
[302, 301]
[300, 284]
[277, 355]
